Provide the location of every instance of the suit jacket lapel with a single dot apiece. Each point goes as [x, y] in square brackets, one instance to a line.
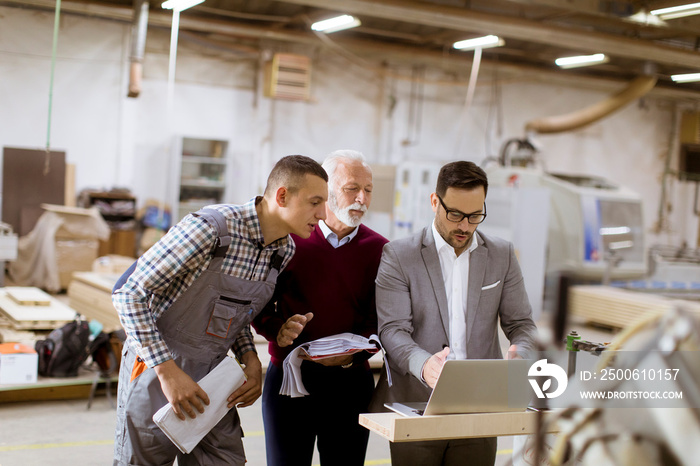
[432, 264]
[477, 269]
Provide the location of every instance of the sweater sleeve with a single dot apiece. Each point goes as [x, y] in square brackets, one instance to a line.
[268, 323]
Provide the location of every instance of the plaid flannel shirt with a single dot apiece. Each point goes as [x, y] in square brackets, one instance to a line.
[167, 269]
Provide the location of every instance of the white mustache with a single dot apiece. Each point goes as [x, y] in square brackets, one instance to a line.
[356, 206]
[349, 219]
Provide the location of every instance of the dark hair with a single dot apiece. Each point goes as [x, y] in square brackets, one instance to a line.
[289, 171]
[461, 175]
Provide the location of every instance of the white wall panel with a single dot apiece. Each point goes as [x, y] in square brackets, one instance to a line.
[116, 141]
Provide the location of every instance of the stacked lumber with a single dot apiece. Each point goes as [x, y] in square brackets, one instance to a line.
[90, 294]
[29, 308]
[28, 296]
[619, 308]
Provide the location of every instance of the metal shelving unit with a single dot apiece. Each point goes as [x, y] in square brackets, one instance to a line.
[203, 166]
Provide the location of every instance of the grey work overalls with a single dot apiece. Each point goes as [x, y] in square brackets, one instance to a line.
[199, 329]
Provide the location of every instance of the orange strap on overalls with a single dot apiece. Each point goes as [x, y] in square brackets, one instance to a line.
[139, 367]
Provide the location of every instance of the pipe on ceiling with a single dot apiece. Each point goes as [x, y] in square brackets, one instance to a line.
[580, 118]
[138, 47]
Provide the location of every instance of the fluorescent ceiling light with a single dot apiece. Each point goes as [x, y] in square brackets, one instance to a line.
[677, 11]
[620, 245]
[581, 60]
[642, 17]
[686, 78]
[615, 230]
[479, 43]
[180, 5]
[336, 24]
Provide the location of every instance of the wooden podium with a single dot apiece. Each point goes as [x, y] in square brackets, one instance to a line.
[397, 428]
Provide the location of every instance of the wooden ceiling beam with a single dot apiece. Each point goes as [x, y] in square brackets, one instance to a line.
[372, 51]
[475, 22]
[688, 26]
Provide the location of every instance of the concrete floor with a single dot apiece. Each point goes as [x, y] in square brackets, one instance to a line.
[63, 433]
[66, 433]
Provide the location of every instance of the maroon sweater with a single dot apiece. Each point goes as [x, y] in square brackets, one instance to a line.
[336, 284]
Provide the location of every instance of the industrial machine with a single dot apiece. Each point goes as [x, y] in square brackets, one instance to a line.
[637, 426]
[596, 228]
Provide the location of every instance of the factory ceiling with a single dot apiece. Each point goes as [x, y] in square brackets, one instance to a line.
[421, 32]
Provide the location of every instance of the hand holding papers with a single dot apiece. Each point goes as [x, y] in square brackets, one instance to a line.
[332, 346]
[223, 380]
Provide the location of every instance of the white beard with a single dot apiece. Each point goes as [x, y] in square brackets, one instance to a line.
[343, 214]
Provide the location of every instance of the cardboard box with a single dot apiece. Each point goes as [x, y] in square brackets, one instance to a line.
[18, 364]
[120, 242]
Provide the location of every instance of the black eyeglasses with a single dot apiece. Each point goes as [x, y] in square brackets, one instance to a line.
[456, 216]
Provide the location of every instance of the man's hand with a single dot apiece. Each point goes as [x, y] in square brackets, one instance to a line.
[513, 352]
[332, 361]
[292, 329]
[182, 392]
[252, 388]
[433, 366]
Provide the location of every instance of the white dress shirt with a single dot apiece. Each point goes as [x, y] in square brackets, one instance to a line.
[455, 273]
[332, 238]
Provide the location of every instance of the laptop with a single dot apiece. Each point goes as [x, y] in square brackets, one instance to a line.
[475, 386]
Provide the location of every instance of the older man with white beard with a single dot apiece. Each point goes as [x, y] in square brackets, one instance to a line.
[327, 288]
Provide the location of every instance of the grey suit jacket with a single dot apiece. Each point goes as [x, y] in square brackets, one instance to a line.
[413, 313]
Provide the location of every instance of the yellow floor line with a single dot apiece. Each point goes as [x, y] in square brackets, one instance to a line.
[41, 446]
[258, 433]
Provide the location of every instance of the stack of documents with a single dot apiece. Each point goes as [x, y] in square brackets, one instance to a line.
[327, 347]
[223, 380]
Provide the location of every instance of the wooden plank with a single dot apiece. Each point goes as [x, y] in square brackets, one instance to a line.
[102, 281]
[108, 318]
[620, 308]
[109, 323]
[69, 198]
[53, 388]
[66, 209]
[379, 423]
[98, 298]
[28, 296]
[90, 294]
[397, 428]
[64, 392]
[35, 317]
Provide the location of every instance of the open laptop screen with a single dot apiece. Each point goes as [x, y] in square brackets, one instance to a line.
[475, 386]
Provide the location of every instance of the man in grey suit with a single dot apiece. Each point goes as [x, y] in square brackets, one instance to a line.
[440, 295]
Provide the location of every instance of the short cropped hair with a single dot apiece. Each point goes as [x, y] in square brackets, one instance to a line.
[289, 171]
[461, 175]
[336, 157]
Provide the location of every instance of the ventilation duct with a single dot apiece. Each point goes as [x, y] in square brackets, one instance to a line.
[580, 118]
[138, 47]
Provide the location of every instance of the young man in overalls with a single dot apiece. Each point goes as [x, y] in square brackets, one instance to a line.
[191, 298]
